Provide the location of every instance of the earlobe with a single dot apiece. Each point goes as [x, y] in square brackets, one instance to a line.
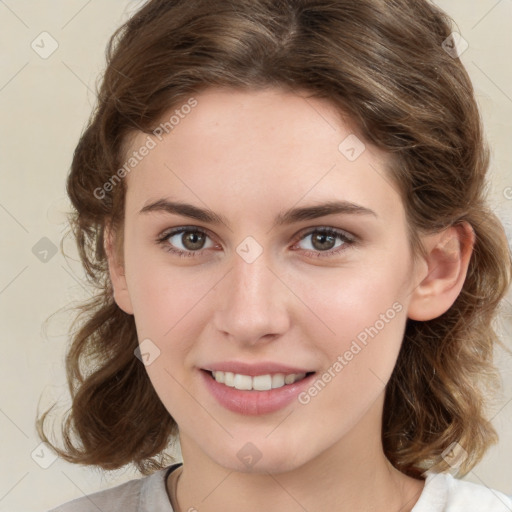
[116, 271]
[447, 262]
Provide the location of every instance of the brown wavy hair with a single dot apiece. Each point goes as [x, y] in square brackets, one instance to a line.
[381, 63]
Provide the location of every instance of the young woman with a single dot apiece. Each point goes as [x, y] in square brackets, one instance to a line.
[282, 205]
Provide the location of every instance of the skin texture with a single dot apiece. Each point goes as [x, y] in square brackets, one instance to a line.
[249, 156]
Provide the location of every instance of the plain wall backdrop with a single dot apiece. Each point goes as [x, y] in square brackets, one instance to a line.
[52, 54]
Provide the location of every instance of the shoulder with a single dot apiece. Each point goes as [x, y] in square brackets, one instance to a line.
[444, 493]
[141, 494]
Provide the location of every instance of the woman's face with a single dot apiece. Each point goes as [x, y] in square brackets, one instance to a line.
[262, 291]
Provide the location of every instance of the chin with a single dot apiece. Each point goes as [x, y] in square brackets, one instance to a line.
[260, 458]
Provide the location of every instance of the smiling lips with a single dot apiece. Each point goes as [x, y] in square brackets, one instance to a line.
[253, 389]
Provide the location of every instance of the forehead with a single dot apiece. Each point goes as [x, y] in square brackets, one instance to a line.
[258, 148]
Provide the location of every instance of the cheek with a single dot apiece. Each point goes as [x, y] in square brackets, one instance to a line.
[347, 301]
[368, 321]
[358, 326]
[162, 294]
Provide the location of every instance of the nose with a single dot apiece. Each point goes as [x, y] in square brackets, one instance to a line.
[252, 303]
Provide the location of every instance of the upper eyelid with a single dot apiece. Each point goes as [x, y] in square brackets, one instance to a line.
[182, 229]
[297, 237]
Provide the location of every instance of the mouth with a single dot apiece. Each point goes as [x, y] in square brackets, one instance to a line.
[252, 395]
[265, 382]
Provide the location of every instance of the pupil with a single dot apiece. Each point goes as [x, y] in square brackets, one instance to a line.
[322, 237]
[195, 240]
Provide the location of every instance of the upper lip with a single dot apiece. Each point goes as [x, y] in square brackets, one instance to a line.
[253, 369]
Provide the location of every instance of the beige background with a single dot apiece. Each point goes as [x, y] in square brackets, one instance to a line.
[44, 104]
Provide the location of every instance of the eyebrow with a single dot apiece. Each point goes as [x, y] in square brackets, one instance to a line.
[284, 218]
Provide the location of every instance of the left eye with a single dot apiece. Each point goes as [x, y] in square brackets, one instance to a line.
[324, 240]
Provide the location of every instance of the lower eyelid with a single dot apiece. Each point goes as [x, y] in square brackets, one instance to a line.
[165, 239]
[340, 235]
[346, 242]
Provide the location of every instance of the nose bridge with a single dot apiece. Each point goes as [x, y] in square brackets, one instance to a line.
[253, 300]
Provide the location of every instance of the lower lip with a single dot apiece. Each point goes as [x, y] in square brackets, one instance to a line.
[253, 403]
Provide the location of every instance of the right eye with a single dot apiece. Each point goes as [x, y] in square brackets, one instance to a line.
[191, 239]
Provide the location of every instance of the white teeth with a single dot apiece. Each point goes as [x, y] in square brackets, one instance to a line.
[229, 379]
[258, 383]
[243, 382]
[277, 380]
[289, 379]
[262, 382]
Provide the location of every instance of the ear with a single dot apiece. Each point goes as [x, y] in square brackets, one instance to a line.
[441, 274]
[116, 270]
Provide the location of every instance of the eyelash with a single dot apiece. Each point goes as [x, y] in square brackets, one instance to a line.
[344, 237]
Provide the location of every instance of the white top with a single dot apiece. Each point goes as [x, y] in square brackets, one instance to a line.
[442, 493]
